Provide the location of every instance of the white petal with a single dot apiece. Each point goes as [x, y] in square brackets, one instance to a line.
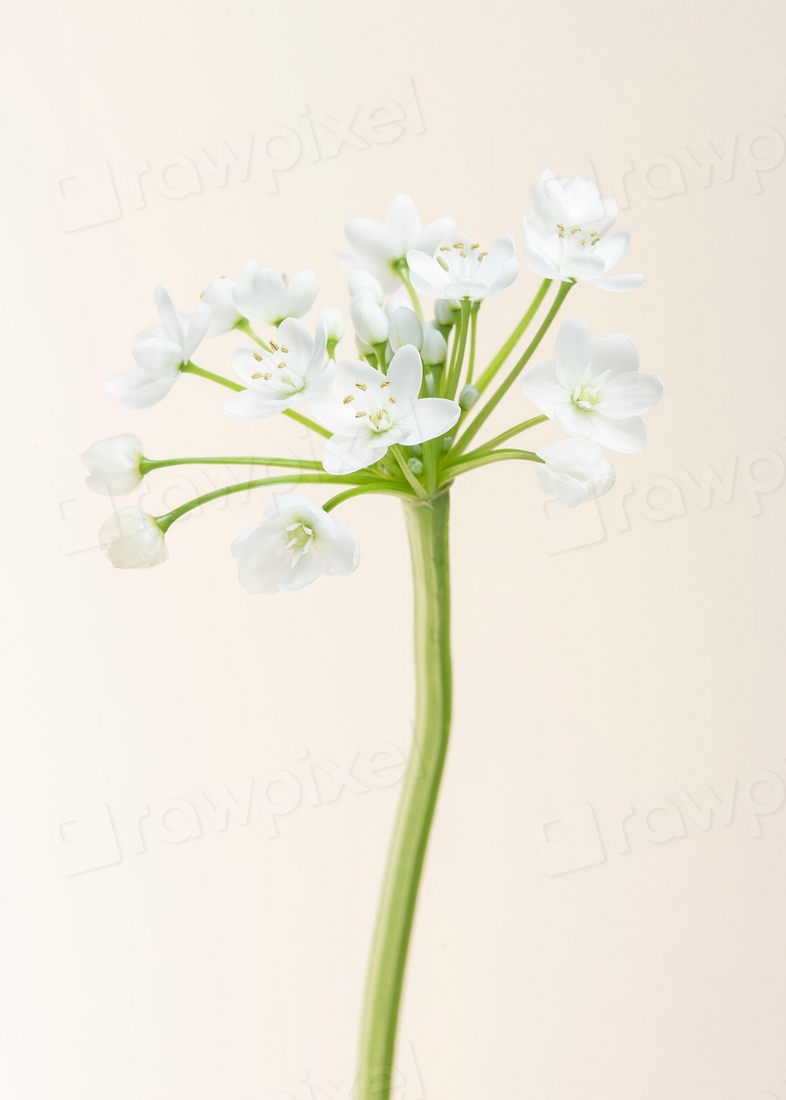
[404, 224]
[301, 292]
[170, 320]
[347, 454]
[160, 359]
[224, 313]
[434, 416]
[616, 354]
[541, 386]
[612, 249]
[617, 282]
[573, 351]
[197, 329]
[137, 390]
[405, 372]
[630, 395]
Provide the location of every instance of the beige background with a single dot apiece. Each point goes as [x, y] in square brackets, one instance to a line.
[608, 659]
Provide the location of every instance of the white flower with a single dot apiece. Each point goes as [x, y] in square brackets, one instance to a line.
[332, 322]
[114, 465]
[132, 539]
[266, 297]
[159, 352]
[380, 246]
[294, 545]
[574, 471]
[221, 299]
[370, 321]
[594, 389]
[565, 234]
[405, 328]
[362, 284]
[293, 372]
[370, 411]
[459, 268]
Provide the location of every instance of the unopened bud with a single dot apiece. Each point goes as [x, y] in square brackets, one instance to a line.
[445, 313]
[435, 348]
[332, 322]
[468, 397]
[405, 328]
[362, 284]
[369, 320]
[415, 465]
[447, 442]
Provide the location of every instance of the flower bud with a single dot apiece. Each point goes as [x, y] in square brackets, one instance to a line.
[468, 397]
[332, 322]
[447, 442]
[132, 539]
[415, 465]
[370, 321]
[114, 465]
[435, 348]
[362, 284]
[446, 311]
[405, 328]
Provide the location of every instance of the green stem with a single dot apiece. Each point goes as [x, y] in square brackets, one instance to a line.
[494, 400]
[148, 464]
[427, 525]
[473, 336]
[373, 487]
[398, 454]
[244, 326]
[310, 424]
[192, 368]
[470, 463]
[513, 339]
[403, 271]
[455, 370]
[504, 436]
[166, 521]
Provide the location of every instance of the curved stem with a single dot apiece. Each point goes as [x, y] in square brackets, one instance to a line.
[244, 326]
[307, 423]
[458, 363]
[503, 436]
[514, 338]
[148, 464]
[470, 463]
[427, 525]
[166, 521]
[494, 400]
[192, 368]
[373, 487]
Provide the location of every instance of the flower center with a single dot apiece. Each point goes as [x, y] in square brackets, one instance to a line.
[461, 260]
[585, 397]
[301, 538]
[277, 372]
[577, 241]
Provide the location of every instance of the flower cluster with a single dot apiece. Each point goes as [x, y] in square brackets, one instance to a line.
[399, 416]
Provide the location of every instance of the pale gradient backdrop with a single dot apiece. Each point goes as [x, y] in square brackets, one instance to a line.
[622, 654]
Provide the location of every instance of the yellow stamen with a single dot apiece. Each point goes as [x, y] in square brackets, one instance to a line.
[361, 385]
[348, 398]
[258, 357]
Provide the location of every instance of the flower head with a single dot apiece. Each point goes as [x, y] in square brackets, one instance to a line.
[460, 268]
[220, 296]
[114, 465]
[565, 234]
[291, 373]
[332, 321]
[295, 543]
[159, 352]
[594, 389]
[370, 411]
[572, 471]
[132, 539]
[380, 246]
[267, 297]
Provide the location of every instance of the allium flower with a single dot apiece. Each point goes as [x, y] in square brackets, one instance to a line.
[295, 543]
[132, 539]
[370, 411]
[159, 352]
[266, 297]
[114, 465]
[459, 268]
[575, 470]
[380, 246]
[293, 372]
[565, 234]
[594, 389]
